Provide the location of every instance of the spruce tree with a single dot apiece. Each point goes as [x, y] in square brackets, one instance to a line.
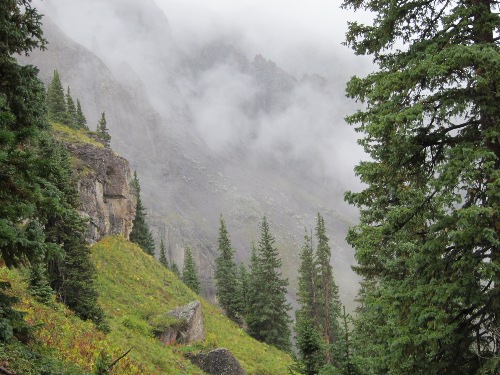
[56, 102]
[71, 113]
[81, 121]
[175, 269]
[243, 290]
[309, 343]
[268, 319]
[189, 274]
[141, 234]
[327, 294]
[427, 244]
[102, 130]
[225, 274]
[163, 254]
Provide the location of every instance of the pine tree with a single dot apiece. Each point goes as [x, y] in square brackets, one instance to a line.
[428, 238]
[309, 342]
[189, 274]
[56, 102]
[81, 121]
[225, 274]
[268, 319]
[102, 130]
[22, 119]
[243, 290]
[175, 269]
[163, 254]
[141, 234]
[71, 110]
[327, 294]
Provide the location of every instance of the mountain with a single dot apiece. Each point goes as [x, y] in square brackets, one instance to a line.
[209, 130]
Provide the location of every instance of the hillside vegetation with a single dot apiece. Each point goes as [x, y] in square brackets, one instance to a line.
[135, 291]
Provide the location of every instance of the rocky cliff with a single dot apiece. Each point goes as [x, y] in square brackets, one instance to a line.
[104, 189]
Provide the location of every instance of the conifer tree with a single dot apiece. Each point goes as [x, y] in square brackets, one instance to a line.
[225, 274]
[81, 121]
[327, 295]
[141, 234]
[102, 130]
[189, 274]
[268, 319]
[163, 254]
[56, 102]
[243, 290]
[309, 343]
[427, 244]
[71, 110]
[175, 269]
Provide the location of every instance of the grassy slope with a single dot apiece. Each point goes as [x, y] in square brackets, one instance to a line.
[135, 289]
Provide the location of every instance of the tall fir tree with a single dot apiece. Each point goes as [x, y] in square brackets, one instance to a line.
[141, 234]
[71, 113]
[327, 294]
[103, 131]
[56, 102]
[268, 319]
[243, 290]
[309, 343]
[427, 244]
[163, 254]
[81, 120]
[225, 274]
[22, 119]
[189, 273]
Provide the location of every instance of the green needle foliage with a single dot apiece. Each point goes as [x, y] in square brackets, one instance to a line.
[163, 253]
[71, 110]
[189, 274]
[102, 130]
[268, 319]
[226, 274]
[81, 121]
[141, 234]
[56, 102]
[428, 242]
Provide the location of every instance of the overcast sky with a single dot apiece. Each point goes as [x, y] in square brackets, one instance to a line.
[302, 36]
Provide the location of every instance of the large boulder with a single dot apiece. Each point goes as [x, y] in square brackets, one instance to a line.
[217, 362]
[190, 328]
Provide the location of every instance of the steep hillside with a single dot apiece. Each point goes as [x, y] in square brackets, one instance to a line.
[198, 155]
[134, 289]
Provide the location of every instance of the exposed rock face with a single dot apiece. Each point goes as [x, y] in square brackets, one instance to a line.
[104, 190]
[193, 330]
[218, 362]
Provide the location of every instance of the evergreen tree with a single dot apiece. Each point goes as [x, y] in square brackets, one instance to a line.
[175, 269]
[102, 130]
[268, 318]
[309, 342]
[189, 274]
[71, 110]
[243, 290]
[327, 294]
[428, 238]
[81, 121]
[22, 118]
[56, 102]
[225, 274]
[163, 253]
[141, 234]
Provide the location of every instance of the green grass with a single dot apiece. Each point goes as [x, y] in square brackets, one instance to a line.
[135, 293]
[66, 134]
[135, 290]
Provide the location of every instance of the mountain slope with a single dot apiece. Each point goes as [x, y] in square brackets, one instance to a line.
[134, 288]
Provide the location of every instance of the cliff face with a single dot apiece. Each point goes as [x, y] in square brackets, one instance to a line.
[104, 189]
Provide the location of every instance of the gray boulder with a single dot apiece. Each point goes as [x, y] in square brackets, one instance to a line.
[190, 328]
[217, 362]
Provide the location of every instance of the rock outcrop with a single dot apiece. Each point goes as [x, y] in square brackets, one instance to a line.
[217, 362]
[104, 189]
[193, 329]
